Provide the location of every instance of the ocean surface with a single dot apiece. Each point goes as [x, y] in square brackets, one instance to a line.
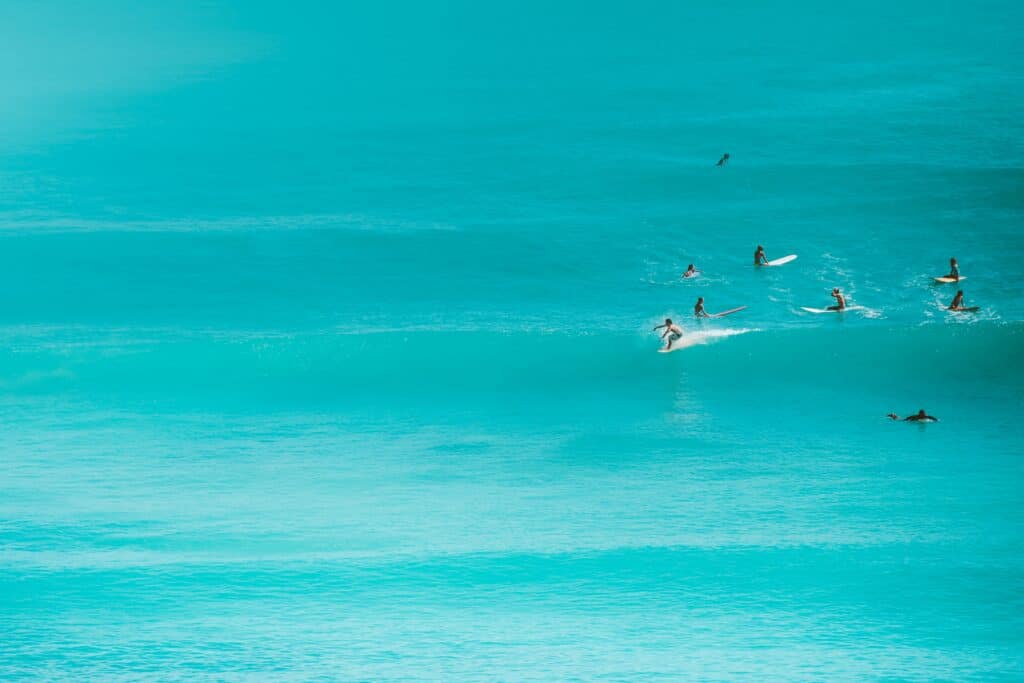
[326, 349]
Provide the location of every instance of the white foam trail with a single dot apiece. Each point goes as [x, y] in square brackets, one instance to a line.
[709, 336]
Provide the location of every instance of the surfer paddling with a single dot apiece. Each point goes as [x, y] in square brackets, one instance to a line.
[672, 331]
[840, 300]
[921, 416]
[690, 271]
[724, 160]
[760, 258]
[698, 309]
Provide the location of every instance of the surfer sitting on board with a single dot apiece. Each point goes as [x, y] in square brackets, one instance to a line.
[698, 310]
[840, 301]
[760, 258]
[672, 331]
[724, 160]
[958, 301]
[920, 417]
[954, 270]
[690, 271]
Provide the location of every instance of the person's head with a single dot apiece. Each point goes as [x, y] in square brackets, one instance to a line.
[959, 292]
[689, 267]
[700, 299]
[668, 321]
[726, 155]
[760, 248]
[952, 260]
[835, 290]
[921, 413]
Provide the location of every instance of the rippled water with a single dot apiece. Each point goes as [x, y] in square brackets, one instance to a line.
[325, 348]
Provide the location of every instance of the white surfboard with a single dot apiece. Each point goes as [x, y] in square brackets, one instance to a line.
[692, 275]
[729, 312]
[946, 279]
[830, 310]
[674, 348]
[782, 261]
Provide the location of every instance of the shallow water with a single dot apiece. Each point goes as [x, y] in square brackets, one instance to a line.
[325, 349]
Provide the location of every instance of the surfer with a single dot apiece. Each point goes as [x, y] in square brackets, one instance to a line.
[690, 271]
[954, 270]
[958, 301]
[672, 331]
[920, 417]
[698, 310]
[724, 160]
[760, 258]
[840, 301]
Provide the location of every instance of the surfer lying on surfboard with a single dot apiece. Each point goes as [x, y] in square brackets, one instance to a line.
[840, 301]
[920, 417]
[672, 331]
[690, 271]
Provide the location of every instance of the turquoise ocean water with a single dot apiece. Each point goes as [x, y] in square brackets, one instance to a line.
[325, 346]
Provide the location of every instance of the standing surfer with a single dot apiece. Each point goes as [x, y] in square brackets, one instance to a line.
[672, 331]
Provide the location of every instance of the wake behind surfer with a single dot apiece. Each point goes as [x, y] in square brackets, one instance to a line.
[672, 331]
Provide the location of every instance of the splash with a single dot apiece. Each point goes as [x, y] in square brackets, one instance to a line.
[702, 337]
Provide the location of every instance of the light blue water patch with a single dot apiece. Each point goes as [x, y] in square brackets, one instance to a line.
[326, 342]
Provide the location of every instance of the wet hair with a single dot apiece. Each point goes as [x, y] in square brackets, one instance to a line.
[668, 320]
[960, 292]
[689, 267]
[699, 299]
